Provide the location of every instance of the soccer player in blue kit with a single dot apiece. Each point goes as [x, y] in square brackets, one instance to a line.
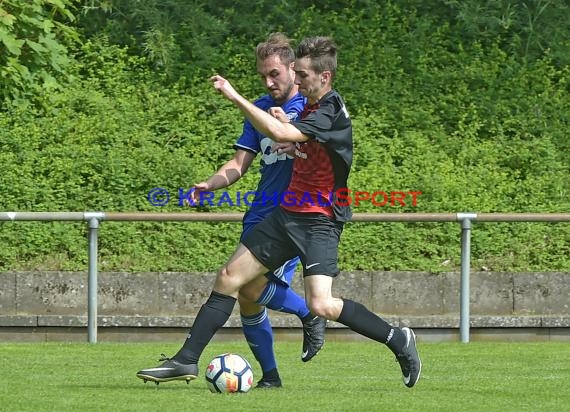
[274, 60]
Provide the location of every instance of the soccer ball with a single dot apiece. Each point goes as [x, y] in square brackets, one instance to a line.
[229, 373]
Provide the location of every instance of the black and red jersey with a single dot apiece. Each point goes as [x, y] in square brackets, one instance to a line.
[322, 164]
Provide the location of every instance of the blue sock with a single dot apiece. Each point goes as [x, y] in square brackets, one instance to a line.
[283, 299]
[259, 336]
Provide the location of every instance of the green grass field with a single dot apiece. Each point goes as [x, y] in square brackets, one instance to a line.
[345, 376]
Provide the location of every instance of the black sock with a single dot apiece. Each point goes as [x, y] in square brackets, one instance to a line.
[308, 317]
[361, 320]
[271, 375]
[211, 317]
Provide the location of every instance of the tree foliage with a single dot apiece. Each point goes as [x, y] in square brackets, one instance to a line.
[34, 36]
[181, 37]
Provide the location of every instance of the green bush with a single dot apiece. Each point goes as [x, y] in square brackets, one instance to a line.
[467, 120]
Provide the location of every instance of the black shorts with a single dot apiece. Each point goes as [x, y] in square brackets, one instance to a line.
[283, 235]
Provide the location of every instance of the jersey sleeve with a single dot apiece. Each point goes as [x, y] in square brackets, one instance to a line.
[294, 107]
[248, 140]
[330, 123]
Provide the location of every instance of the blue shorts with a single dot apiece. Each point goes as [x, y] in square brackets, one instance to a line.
[283, 274]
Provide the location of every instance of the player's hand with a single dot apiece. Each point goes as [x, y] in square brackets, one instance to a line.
[195, 194]
[287, 148]
[223, 86]
[279, 114]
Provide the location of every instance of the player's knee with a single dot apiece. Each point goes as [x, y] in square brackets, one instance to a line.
[246, 296]
[227, 281]
[248, 307]
[321, 307]
[223, 274]
[252, 292]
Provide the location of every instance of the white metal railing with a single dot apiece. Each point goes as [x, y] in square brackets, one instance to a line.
[95, 218]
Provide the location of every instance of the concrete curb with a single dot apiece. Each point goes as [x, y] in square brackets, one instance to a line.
[281, 321]
[162, 301]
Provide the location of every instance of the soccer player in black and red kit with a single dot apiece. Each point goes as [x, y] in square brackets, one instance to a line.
[307, 224]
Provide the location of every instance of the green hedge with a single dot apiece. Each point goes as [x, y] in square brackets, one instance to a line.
[471, 125]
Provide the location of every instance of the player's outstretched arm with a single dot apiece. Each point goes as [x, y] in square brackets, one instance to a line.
[261, 120]
[228, 174]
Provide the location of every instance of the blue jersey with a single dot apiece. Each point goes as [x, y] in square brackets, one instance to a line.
[275, 169]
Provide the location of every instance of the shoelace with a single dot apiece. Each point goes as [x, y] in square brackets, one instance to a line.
[163, 357]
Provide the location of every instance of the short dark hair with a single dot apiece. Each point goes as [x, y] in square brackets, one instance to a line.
[321, 51]
[276, 44]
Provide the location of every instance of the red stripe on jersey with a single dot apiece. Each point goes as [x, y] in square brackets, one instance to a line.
[312, 181]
